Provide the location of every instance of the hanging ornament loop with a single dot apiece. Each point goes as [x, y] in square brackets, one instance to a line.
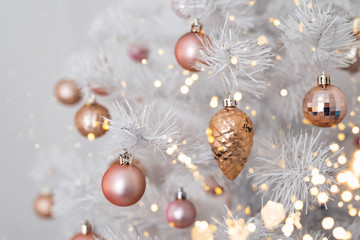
[180, 195]
[196, 27]
[229, 101]
[125, 157]
[323, 80]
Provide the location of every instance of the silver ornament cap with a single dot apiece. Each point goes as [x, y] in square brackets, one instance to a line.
[323, 80]
[85, 228]
[180, 195]
[229, 101]
[196, 27]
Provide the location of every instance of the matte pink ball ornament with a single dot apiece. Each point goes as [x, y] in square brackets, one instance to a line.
[187, 48]
[138, 53]
[85, 232]
[181, 213]
[325, 105]
[123, 184]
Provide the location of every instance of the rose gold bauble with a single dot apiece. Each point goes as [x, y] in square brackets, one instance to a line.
[325, 105]
[67, 92]
[90, 122]
[43, 205]
[187, 49]
[231, 138]
[123, 184]
[85, 233]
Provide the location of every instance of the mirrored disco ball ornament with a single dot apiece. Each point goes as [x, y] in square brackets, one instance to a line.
[89, 120]
[231, 138]
[325, 105]
[187, 49]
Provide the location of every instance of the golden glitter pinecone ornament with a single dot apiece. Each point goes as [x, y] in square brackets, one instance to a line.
[231, 138]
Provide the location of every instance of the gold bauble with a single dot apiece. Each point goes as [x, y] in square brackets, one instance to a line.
[90, 122]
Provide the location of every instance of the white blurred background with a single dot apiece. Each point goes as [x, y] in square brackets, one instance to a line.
[37, 38]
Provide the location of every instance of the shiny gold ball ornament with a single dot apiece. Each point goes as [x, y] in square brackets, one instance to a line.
[231, 138]
[89, 120]
[67, 92]
[325, 105]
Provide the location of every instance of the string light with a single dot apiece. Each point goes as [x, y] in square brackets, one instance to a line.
[157, 83]
[327, 223]
[283, 92]
[237, 96]
[214, 102]
[184, 89]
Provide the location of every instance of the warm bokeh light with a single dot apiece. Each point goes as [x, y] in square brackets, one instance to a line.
[328, 223]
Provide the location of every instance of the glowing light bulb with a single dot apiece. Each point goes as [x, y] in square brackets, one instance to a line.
[234, 60]
[237, 96]
[91, 137]
[214, 102]
[307, 237]
[346, 196]
[154, 207]
[283, 92]
[328, 223]
[334, 147]
[157, 83]
[251, 227]
[184, 89]
[322, 197]
[339, 233]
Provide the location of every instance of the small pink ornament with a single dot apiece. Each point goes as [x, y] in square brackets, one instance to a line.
[138, 53]
[123, 184]
[85, 233]
[181, 213]
[187, 49]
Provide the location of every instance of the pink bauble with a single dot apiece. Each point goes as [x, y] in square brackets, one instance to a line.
[43, 205]
[181, 213]
[187, 50]
[68, 92]
[325, 106]
[137, 53]
[123, 185]
[90, 236]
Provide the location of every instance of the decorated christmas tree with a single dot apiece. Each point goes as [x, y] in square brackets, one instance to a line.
[210, 119]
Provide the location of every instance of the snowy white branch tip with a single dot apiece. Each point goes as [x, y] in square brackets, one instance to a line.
[143, 127]
[319, 32]
[296, 169]
[231, 56]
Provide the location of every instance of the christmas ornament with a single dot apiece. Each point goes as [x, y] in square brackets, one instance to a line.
[123, 184]
[43, 204]
[181, 8]
[187, 49]
[357, 142]
[354, 57]
[324, 105]
[212, 187]
[67, 92]
[85, 233]
[89, 120]
[137, 53]
[231, 138]
[181, 213]
[101, 91]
